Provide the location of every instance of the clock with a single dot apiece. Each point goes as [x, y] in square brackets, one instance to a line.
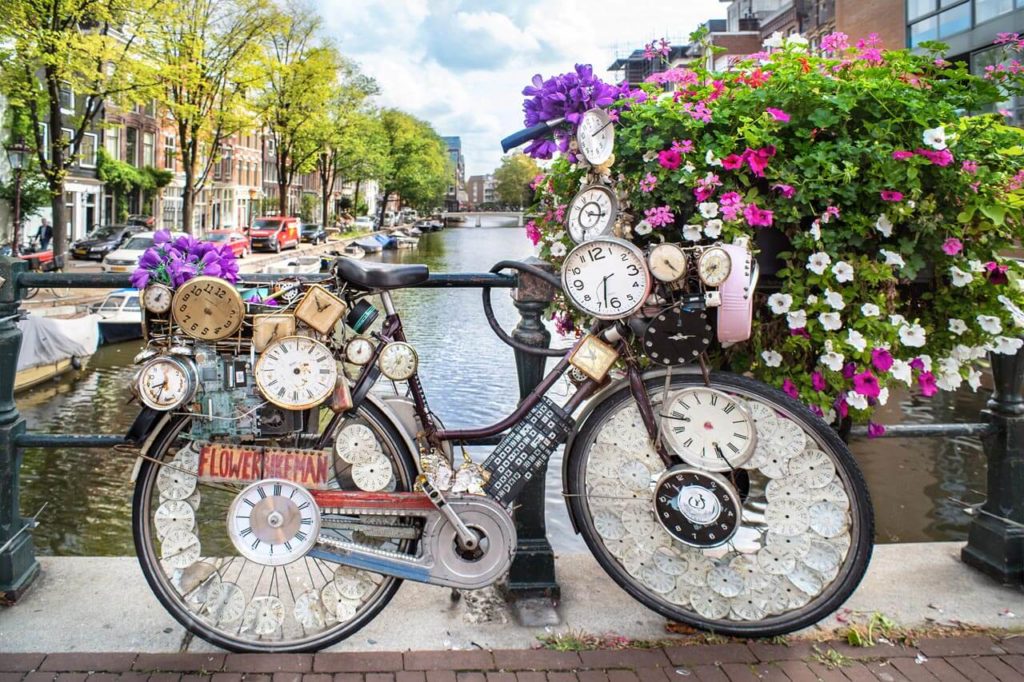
[714, 266]
[591, 213]
[708, 429]
[593, 357]
[208, 308]
[269, 328]
[667, 262]
[167, 382]
[606, 278]
[156, 298]
[595, 136]
[698, 508]
[320, 309]
[359, 351]
[296, 373]
[273, 522]
[676, 336]
[180, 549]
[398, 361]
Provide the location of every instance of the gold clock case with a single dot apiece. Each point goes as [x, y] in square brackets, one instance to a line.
[268, 328]
[593, 357]
[320, 309]
[317, 399]
[208, 303]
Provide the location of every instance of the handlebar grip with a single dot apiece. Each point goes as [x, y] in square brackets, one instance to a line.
[531, 133]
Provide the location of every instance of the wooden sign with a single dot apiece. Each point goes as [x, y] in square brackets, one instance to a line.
[231, 463]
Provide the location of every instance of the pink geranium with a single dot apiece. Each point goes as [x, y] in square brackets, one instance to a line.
[683, 147]
[970, 167]
[835, 42]
[952, 246]
[757, 217]
[648, 183]
[670, 159]
[891, 195]
[659, 216]
[532, 232]
[778, 114]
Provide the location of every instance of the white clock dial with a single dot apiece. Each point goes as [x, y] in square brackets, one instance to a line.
[166, 383]
[225, 603]
[180, 549]
[273, 522]
[714, 266]
[309, 611]
[208, 308]
[398, 361]
[356, 443]
[709, 429]
[296, 373]
[359, 351]
[591, 213]
[173, 515]
[263, 616]
[157, 298]
[174, 482]
[373, 474]
[595, 136]
[606, 278]
[667, 261]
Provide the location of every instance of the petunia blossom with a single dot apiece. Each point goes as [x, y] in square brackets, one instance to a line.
[926, 381]
[952, 246]
[891, 195]
[866, 384]
[670, 159]
[778, 114]
[881, 359]
[757, 217]
[786, 191]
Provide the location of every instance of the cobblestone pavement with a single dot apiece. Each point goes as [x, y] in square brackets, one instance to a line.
[963, 659]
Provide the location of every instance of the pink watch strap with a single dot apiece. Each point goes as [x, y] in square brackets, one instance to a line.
[737, 292]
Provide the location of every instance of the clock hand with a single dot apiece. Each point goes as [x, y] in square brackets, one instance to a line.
[670, 416]
[605, 283]
[604, 126]
[720, 454]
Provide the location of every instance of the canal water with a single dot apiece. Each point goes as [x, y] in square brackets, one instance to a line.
[917, 485]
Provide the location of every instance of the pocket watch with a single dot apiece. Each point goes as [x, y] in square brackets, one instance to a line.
[591, 213]
[208, 308]
[667, 261]
[606, 277]
[296, 373]
[156, 298]
[708, 429]
[359, 351]
[167, 382]
[714, 266]
[595, 136]
[398, 361]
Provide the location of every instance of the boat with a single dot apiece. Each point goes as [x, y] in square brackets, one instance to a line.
[403, 240]
[300, 265]
[353, 251]
[370, 244]
[51, 347]
[120, 316]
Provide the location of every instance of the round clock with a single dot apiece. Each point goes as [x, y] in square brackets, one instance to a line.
[697, 508]
[273, 522]
[676, 336]
[156, 298]
[709, 429]
[595, 136]
[296, 373]
[208, 308]
[667, 261]
[180, 549]
[398, 361]
[167, 382]
[606, 278]
[591, 213]
[359, 350]
[714, 266]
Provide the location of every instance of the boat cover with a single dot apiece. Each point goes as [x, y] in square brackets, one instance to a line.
[46, 340]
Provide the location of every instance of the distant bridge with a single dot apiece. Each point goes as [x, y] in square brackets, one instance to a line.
[471, 217]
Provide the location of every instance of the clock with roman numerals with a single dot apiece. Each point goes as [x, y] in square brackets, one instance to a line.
[296, 373]
[708, 429]
[273, 522]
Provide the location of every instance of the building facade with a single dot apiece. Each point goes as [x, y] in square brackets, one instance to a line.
[481, 189]
[456, 195]
[635, 67]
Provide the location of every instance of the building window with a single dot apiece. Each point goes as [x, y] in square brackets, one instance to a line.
[87, 150]
[990, 9]
[994, 56]
[926, 29]
[956, 20]
[148, 149]
[67, 98]
[131, 146]
[112, 142]
[170, 151]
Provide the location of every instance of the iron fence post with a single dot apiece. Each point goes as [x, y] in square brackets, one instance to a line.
[995, 541]
[531, 579]
[18, 565]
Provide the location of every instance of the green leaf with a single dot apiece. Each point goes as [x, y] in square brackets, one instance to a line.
[995, 213]
[823, 118]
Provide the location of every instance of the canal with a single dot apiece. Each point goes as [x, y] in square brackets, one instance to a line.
[916, 484]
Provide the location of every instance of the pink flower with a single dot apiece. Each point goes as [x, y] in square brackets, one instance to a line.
[790, 388]
[670, 159]
[613, 114]
[841, 407]
[659, 216]
[970, 167]
[532, 233]
[881, 359]
[717, 88]
[996, 273]
[802, 331]
[560, 213]
[830, 213]
[891, 195]
[849, 369]
[730, 199]
[871, 41]
[871, 55]
[683, 147]
[732, 162]
[941, 63]
[817, 410]
[700, 112]
[902, 155]
[537, 181]
[757, 217]
[817, 381]
[648, 183]
[758, 159]
[927, 383]
[875, 430]
[952, 246]
[918, 364]
[786, 191]
[943, 157]
[835, 42]
[866, 384]
[778, 114]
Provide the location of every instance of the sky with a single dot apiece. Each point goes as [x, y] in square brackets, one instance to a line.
[461, 65]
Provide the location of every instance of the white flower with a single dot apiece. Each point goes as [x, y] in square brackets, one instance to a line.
[883, 396]
[949, 365]
[926, 361]
[812, 299]
[990, 323]
[912, 335]
[896, 319]
[832, 360]
[911, 203]
[843, 271]
[962, 353]
[817, 262]
[830, 321]
[834, 299]
[979, 352]
[892, 258]
[797, 41]
[949, 381]
[691, 233]
[712, 160]
[780, 303]
[856, 340]
[774, 41]
[856, 400]
[643, 227]
[713, 228]
[975, 266]
[689, 168]
[973, 379]
[650, 156]
[935, 138]
[816, 230]
[957, 326]
[1007, 345]
[900, 371]
[708, 209]
[870, 310]
[884, 225]
[666, 96]
[797, 319]
[960, 278]
[558, 249]
[771, 358]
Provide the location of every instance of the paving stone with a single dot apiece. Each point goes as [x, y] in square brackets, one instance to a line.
[38, 677]
[997, 667]
[261, 663]
[794, 651]
[501, 677]
[959, 646]
[624, 658]
[408, 676]
[739, 672]
[72, 677]
[278, 677]
[257, 677]
[622, 676]
[912, 670]
[469, 677]
[535, 659]
[970, 669]
[20, 662]
[827, 674]
[1016, 662]
[140, 677]
[854, 671]
[380, 677]
[440, 676]
[174, 677]
[11, 677]
[797, 671]
[592, 676]
[449, 660]
[943, 670]
[318, 677]
[562, 677]
[179, 662]
[709, 673]
[885, 671]
[1013, 644]
[78, 661]
[711, 654]
[876, 652]
[348, 677]
[659, 674]
[190, 677]
[226, 677]
[531, 677]
[104, 677]
[364, 662]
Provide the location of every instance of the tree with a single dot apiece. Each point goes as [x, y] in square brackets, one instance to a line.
[206, 54]
[512, 179]
[362, 152]
[65, 52]
[416, 166]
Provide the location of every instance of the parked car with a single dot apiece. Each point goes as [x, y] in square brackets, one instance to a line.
[102, 240]
[274, 233]
[236, 241]
[126, 258]
[142, 221]
[313, 233]
[364, 222]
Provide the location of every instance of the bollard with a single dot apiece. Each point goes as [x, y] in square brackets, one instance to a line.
[531, 580]
[18, 565]
[995, 540]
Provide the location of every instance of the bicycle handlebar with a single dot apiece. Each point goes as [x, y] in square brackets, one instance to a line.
[527, 134]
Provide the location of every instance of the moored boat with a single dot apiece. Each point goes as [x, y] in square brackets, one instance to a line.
[353, 251]
[369, 244]
[295, 266]
[53, 346]
[120, 316]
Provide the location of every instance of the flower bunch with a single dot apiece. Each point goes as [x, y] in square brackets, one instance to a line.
[882, 212]
[566, 96]
[176, 261]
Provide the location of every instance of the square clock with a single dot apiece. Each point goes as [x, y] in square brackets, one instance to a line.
[320, 309]
[269, 328]
[593, 357]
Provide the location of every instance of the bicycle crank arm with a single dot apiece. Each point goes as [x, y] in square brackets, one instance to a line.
[440, 558]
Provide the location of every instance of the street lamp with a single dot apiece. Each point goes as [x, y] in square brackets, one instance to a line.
[17, 156]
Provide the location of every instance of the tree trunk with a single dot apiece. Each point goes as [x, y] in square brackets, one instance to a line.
[383, 207]
[282, 195]
[57, 169]
[60, 236]
[188, 201]
[355, 200]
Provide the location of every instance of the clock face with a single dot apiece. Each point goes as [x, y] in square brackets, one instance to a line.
[208, 308]
[398, 361]
[714, 266]
[359, 351]
[593, 357]
[320, 309]
[273, 522]
[606, 278]
[296, 373]
[269, 328]
[708, 429]
[166, 383]
[591, 213]
[667, 261]
[595, 136]
[157, 298]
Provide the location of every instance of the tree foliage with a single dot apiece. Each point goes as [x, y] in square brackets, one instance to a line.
[416, 164]
[512, 179]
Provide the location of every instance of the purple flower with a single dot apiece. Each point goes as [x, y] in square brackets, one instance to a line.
[849, 369]
[841, 407]
[786, 191]
[790, 388]
[778, 114]
[927, 383]
[835, 42]
[866, 384]
[918, 364]
[875, 430]
[670, 159]
[659, 216]
[563, 323]
[818, 381]
[817, 410]
[996, 273]
[566, 96]
[891, 195]
[881, 359]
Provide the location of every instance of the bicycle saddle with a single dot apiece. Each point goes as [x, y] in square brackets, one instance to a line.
[380, 275]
